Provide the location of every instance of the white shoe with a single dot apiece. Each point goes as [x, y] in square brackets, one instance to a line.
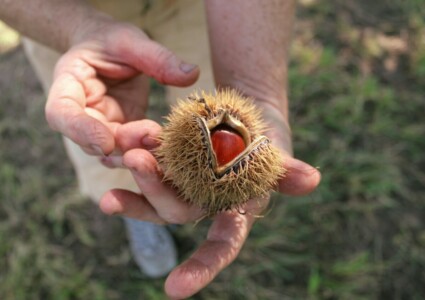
[152, 247]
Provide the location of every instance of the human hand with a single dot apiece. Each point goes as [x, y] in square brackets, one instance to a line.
[102, 82]
[159, 203]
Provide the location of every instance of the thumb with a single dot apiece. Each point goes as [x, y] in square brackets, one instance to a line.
[154, 60]
[300, 178]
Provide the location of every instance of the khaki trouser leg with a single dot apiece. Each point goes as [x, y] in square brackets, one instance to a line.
[182, 28]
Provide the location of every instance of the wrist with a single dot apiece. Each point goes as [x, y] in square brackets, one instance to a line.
[278, 128]
[266, 97]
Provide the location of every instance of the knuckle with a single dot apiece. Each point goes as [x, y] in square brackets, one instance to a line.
[162, 60]
[95, 132]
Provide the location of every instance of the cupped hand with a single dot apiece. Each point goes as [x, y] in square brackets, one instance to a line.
[102, 82]
[159, 203]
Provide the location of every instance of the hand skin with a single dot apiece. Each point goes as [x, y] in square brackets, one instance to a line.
[160, 204]
[102, 79]
[102, 82]
[100, 89]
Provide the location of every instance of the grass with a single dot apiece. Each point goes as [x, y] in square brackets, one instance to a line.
[357, 82]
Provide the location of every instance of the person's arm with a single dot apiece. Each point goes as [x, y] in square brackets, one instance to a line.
[250, 47]
[53, 23]
[249, 44]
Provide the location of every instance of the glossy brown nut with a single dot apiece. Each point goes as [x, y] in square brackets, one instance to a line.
[227, 144]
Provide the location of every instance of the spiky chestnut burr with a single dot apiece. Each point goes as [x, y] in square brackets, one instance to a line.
[213, 152]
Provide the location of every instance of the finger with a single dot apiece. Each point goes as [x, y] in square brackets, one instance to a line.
[255, 207]
[139, 134]
[65, 113]
[153, 59]
[224, 241]
[161, 196]
[129, 204]
[95, 89]
[112, 161]
[96, 150]
[300, 178]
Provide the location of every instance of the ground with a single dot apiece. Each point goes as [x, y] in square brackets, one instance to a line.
[357, 80]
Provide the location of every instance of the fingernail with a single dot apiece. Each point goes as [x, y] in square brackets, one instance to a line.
[98, 150]
[187, 68]
[149, 142]
[112, 161]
